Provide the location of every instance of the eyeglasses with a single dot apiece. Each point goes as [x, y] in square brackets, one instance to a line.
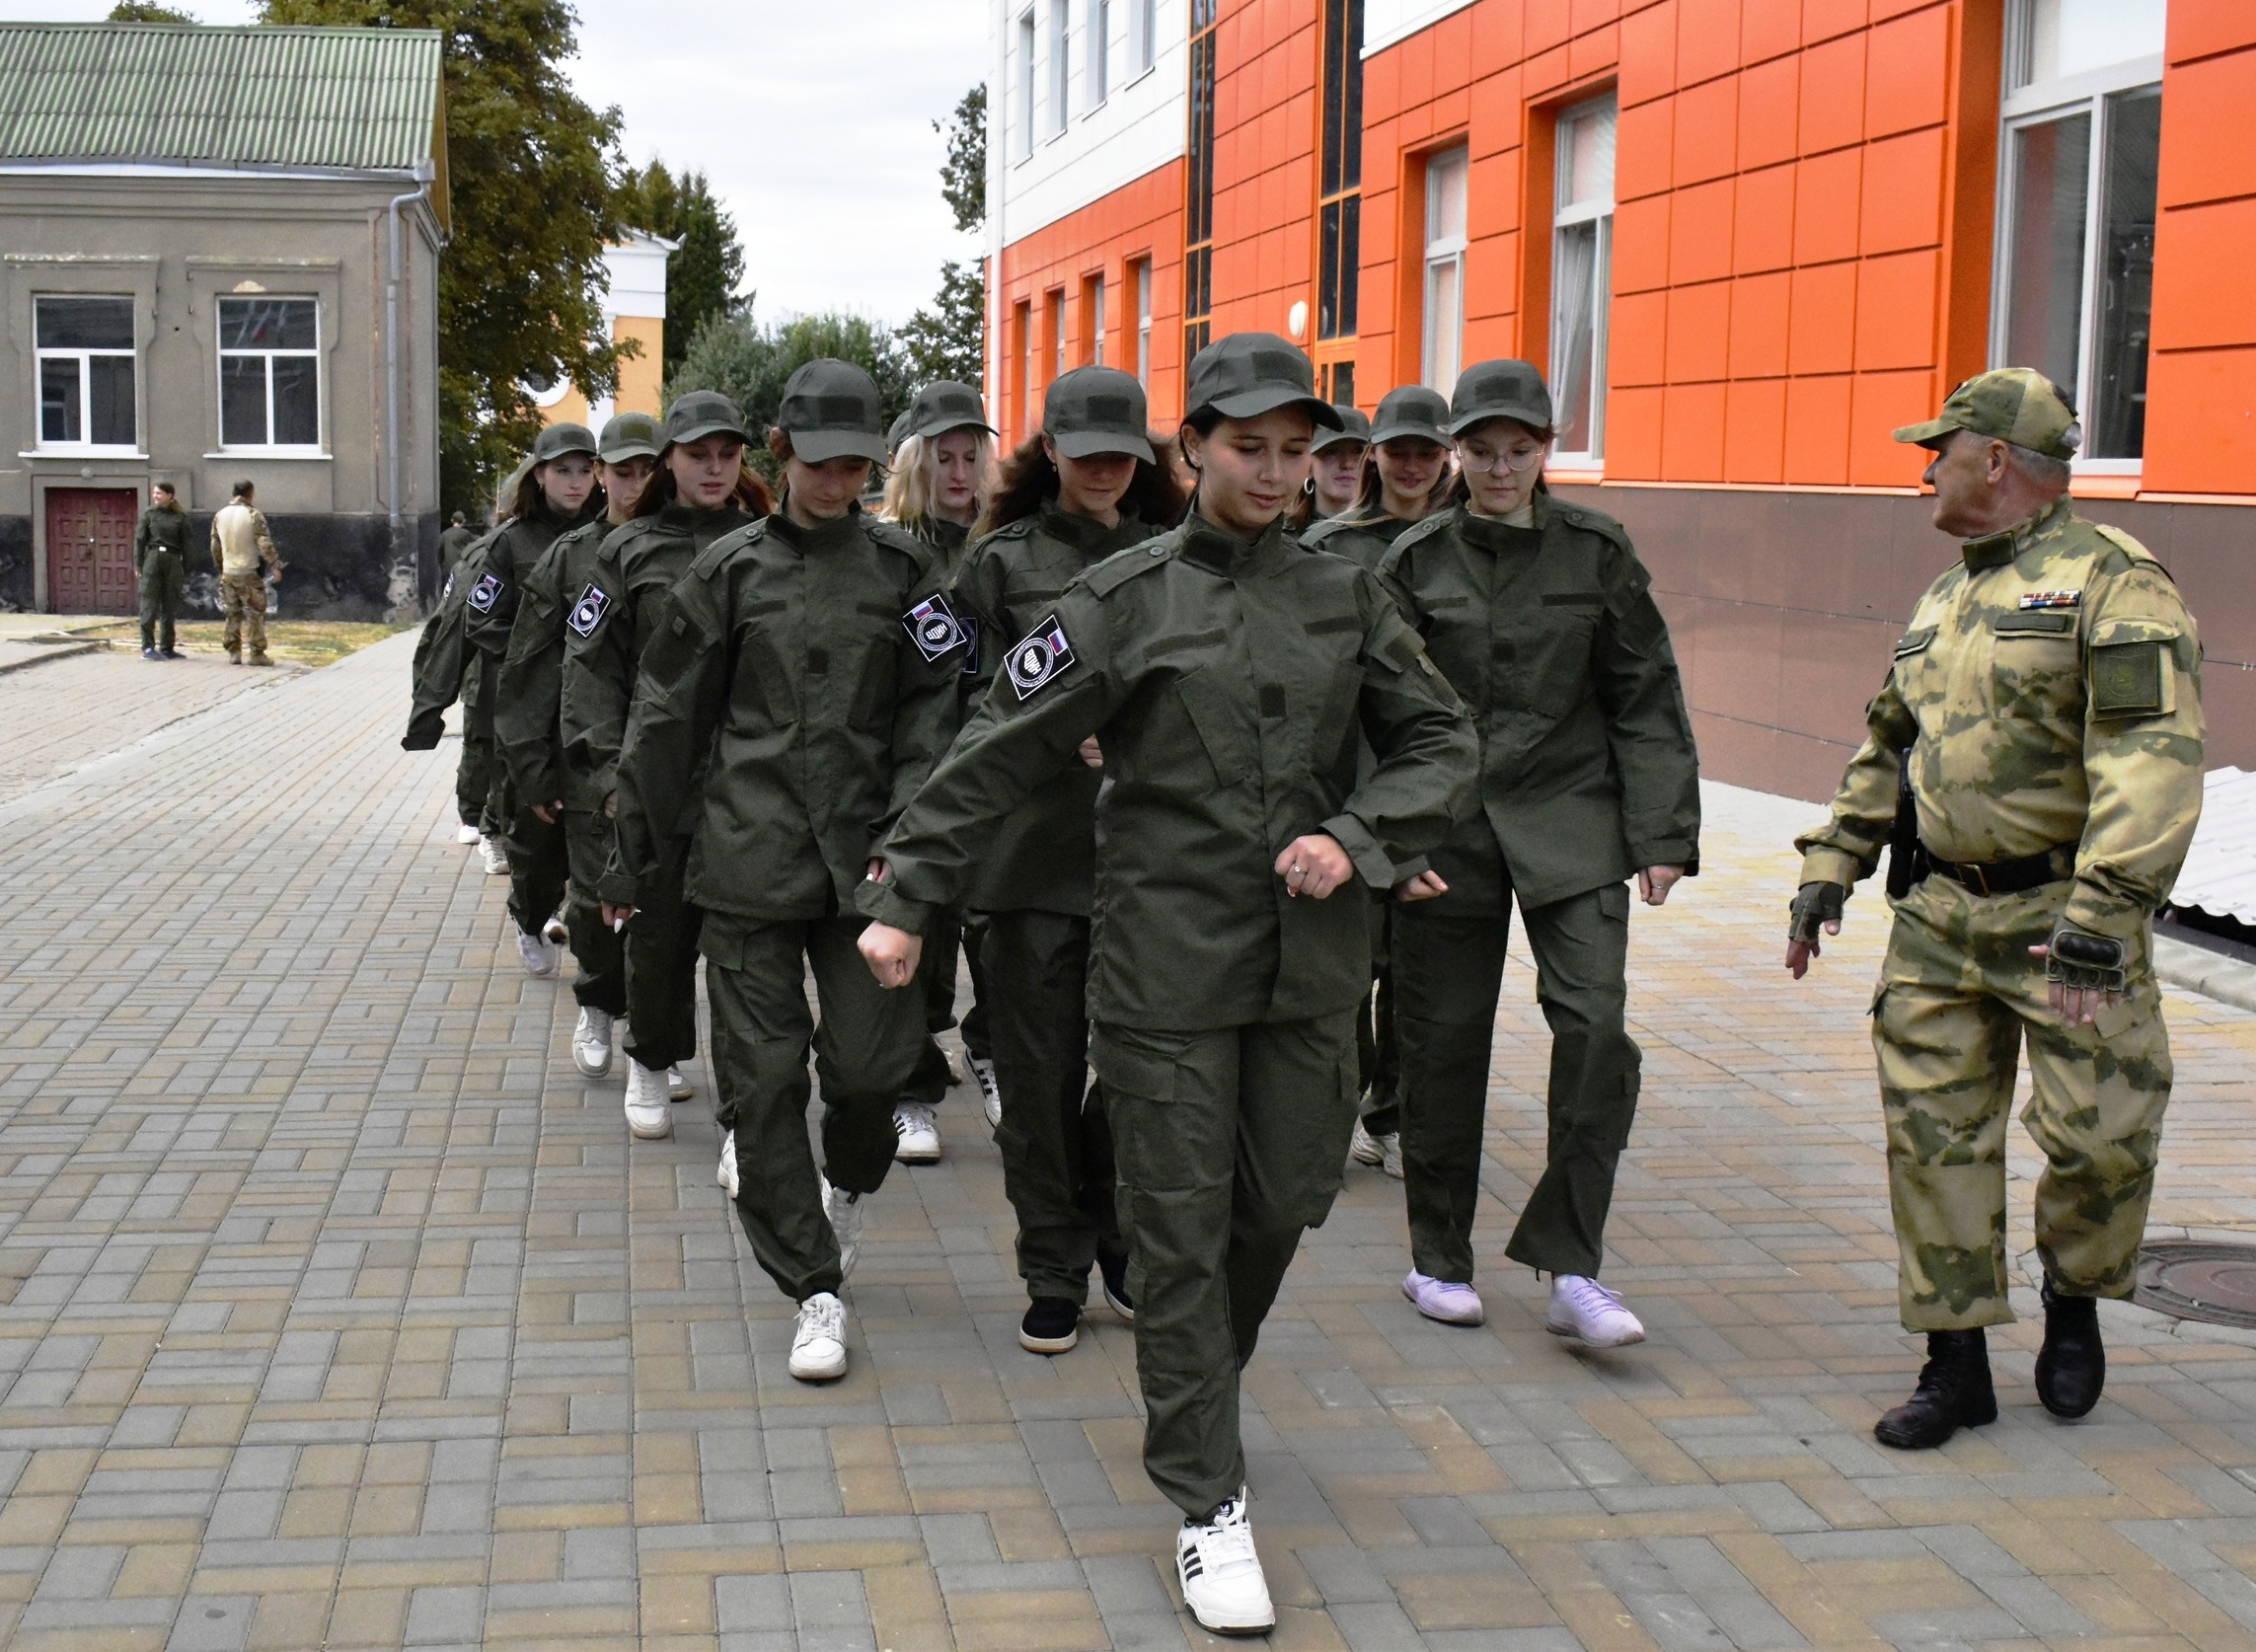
[1476, 456]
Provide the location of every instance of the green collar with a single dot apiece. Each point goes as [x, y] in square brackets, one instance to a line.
[2006, 544]
[1219, 550]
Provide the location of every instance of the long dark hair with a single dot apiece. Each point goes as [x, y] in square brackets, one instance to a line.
[1029, 478]
[531, 500]
[751, 496]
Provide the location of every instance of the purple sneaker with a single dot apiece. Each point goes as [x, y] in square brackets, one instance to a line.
[1438, 1298]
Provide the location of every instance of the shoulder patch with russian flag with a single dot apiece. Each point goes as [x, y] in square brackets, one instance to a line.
[1039, 657]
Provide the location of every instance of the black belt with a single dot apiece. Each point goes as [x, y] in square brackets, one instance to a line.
[2009, 878]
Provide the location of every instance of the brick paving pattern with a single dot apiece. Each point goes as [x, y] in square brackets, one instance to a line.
[336, 1311]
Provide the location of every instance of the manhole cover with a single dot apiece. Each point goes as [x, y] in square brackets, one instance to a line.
[2191, 1280]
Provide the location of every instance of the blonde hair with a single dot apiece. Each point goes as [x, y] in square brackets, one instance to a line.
[908, 479]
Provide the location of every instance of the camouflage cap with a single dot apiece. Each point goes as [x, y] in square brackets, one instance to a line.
[944, 405]
[628, 436]
[1500, 389]
[831, 410]
[1244, 375]
[1411, 409]
[1095, 411]
[697, 413]
[559, 440]
[2016, 405]
[1353, 427]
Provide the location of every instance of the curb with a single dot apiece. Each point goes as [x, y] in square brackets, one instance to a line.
[2197, 969]
[47, 651]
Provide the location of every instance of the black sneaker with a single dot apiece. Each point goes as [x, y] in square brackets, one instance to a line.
[1115, 1272]
[1052, 1326]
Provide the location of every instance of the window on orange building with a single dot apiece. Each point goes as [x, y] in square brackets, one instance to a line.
[1140, 279]
[1023, 318]
[1582, 246]
[2076, 203]
[1026, 83]
[1445, 268]
[1093, 318]
[1198, 201]
[1339, 207]
[1055, 356]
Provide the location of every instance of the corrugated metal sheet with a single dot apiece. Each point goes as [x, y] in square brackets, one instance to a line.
[2219, 875]
[357, 97]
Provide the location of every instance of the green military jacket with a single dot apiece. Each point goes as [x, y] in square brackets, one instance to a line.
[2049, 694]
[452, 543]
[445, 666]
[512, 551]
[1228, 683]
[1550, 633]
[1366, 540]
[528, 709]
[809, 675]
[1043, 856]
[612, 621]
[161, 528]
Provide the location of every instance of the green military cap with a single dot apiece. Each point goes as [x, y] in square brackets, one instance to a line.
[831, 410]
[559, 440]
[1353, 427]
[1500, 389]
[2016, 405]
[897, 432]
[696, 414]
[944, 405]
[1411, 409]
[628, 436]
[1093, 411]
[1244, 375]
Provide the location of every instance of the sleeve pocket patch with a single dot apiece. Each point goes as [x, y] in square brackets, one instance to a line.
[2130, 669]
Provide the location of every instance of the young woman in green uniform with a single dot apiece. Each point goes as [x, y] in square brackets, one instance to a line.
[1541, 615]
[1226, 674]
[1335, 478]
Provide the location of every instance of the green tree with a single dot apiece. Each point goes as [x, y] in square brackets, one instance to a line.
[963, 174]
[705, 269]
[532, 172]
[948, 339]
[139, 11]
[749, 362]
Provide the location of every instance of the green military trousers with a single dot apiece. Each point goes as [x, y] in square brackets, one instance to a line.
[535, 849]
[1959, 994]
[1054, 1138]
[1379, 1061]
[596, 947]
[866, 1047]
[661, 965]
[1448, 972]
[474, 774]
[1230, 1143]
[162, 577]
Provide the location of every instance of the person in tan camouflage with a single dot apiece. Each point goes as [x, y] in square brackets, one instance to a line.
[240, 542]
[2042, 724]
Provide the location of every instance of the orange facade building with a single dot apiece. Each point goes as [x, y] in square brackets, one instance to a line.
[1744, 238]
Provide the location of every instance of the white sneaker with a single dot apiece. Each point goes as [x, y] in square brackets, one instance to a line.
[467, 835]
[678, 1088]
[648, 1118]
[592, 1042]
[957, 1072]
[1384, 1153]
[554, 931]
[845, 1212]
[818, 1345]
[1585, 1309]
[990, 1093]
[536, 955]
[1221, 1573]
[917, 1135]
[726, 1174]
[496, 864]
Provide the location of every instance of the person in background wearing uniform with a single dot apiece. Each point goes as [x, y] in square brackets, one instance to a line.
[701, 490]
[557, 495]
[1337, 474]
[1540, 614]
[1087, 485]
[1406, 477]
[551, 599]
[2033, 763]
[240, 544]
[942, 470]
[811, 661]
[1226, 674]
[444, 660]
[457, 539]
[160, 565]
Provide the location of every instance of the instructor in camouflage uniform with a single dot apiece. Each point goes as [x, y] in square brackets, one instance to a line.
[2038, 747]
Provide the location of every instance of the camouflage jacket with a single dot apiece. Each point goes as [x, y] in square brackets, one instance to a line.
[2049, 693]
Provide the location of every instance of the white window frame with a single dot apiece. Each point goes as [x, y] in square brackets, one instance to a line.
[1444, 252]
[1096, 318]
[1055, 304]
[1061, 65]
[1144, 50]
[224, 354]
[1564, 216]
[1099, 54]
[1143, 284]
[82, 356]
[2036, 105]
[1027, 84]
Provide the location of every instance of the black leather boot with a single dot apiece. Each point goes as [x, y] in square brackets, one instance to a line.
[2072, 1367]
[1954, 1393]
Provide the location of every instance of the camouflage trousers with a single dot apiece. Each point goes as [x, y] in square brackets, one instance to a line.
[246, 597]
[1959, 994]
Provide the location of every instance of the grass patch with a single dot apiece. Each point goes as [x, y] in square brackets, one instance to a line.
[313, 643]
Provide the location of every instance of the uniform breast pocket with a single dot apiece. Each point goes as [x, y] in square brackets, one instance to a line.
[1558, 658]
[873, 693]
[1217, 715]
[763, 687]
[2034, 670]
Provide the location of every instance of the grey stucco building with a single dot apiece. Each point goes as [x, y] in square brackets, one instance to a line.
[219, 263]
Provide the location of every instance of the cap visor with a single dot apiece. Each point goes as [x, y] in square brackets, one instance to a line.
[940, 428]
[1431, 432]
[1333, 438]
[1533, 418]
[1252, 403]
[698, 433]
[626, 451]
[817, 446]
[1927, 433]
[1091, 444]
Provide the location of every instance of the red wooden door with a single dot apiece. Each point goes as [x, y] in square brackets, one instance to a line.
[90, 550]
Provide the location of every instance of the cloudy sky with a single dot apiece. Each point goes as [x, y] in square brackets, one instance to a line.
[813, 121]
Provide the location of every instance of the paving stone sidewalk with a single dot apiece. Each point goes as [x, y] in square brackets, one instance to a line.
[338, 1310]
